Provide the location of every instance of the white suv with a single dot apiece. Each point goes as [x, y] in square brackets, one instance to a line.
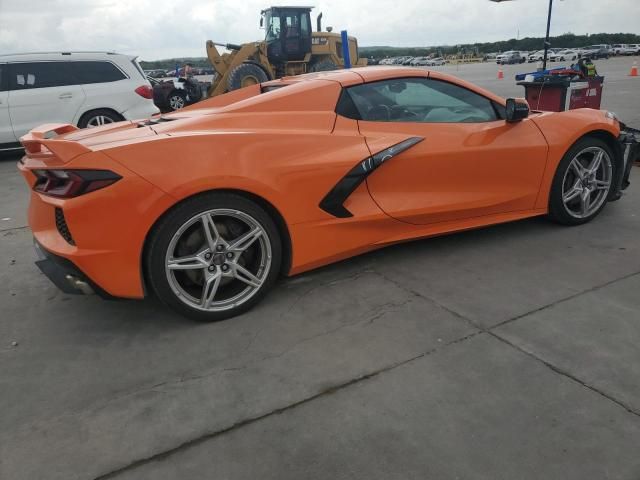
[83, 88]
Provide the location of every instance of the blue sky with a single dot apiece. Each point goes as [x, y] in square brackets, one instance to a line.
[155, 29]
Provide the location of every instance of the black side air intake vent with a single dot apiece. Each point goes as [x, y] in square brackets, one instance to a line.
[333, 202]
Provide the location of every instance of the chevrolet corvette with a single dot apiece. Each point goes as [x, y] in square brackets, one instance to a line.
[206, 207]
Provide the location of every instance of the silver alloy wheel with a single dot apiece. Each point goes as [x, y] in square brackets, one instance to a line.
[587, 182]
[176, 102]
[224, 259]
[99, 120]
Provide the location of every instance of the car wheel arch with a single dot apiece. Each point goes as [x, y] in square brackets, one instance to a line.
[611, 141]
[91, 110]
[272, 211]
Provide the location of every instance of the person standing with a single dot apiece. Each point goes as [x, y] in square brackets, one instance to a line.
[188, 71]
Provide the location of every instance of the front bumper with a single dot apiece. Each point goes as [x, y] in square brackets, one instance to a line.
[629, 140]
[65, 275]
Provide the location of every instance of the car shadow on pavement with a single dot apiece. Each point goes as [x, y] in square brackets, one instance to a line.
[151, 314]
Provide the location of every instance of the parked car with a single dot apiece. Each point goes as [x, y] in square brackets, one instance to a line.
[207, 207]
[536, 56]
[400, 60]
[154, 73]
[623, 49]
[175, 93]
[565, 56]
[83, 89]
[419, 61]
[510, 57]
[436, 62]
[635, 47]
[596, 52]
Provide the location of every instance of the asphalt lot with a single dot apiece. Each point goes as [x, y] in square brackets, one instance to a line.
[509, 352]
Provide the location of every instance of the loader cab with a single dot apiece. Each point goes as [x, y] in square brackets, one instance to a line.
[288, 33]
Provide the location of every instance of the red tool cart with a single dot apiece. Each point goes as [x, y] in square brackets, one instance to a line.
[558, 91]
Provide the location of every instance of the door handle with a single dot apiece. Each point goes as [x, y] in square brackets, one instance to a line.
[65, 95]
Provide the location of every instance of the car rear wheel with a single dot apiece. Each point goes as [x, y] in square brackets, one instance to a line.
[97, 118]
[214, 256]
[582, 183]
[177, 100]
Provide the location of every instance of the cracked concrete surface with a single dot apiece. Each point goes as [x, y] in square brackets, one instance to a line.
[508, 352]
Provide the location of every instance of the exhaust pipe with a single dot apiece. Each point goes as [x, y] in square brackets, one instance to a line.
[79, 285]
[319, 22]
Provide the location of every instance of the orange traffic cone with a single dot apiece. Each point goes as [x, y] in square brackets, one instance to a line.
[634, 70]
[500, 74]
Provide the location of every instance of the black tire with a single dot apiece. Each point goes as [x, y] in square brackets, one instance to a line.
[92, 118]
[244, 75]
[195, 92]
[164, 231]
[176, 100]
[557, 209]
[324, 66]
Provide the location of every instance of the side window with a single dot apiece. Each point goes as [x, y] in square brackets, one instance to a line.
[420, 100]
[28, 75]
[96, 72]
[3, 77]
[304, 25]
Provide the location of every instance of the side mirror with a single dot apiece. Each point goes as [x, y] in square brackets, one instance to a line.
[261, 22]
[517, 109]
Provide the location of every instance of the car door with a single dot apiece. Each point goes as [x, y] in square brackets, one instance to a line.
[6, 131]
[42, 92]
[469, 163]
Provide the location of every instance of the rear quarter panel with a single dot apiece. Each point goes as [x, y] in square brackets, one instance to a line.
[291, 170]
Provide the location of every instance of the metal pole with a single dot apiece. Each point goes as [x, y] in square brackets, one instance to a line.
[546, 40]
[345, 49]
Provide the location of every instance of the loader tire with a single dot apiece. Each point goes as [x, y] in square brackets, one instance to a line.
[324, 66]
[245, 75]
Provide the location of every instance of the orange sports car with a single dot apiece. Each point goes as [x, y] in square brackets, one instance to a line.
[206, 207]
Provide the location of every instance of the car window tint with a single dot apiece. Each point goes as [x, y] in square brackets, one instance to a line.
[420, 100]
[39, 75]
[304, 26]
[96, 72]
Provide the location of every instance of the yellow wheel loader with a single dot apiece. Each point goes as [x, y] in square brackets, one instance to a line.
[290, 48]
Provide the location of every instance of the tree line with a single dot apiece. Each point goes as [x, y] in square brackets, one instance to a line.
[567, 40]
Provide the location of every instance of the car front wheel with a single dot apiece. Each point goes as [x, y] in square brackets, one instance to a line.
[214, 256]
[582, 183]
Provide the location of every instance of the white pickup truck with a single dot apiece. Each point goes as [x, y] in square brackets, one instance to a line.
[624, 49]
